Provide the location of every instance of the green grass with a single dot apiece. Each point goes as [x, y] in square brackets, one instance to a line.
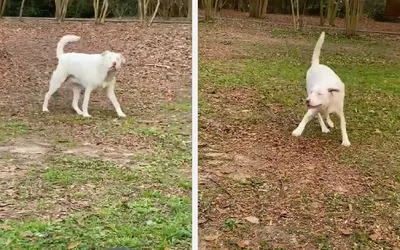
[144, 204]
[121, 214]
[13, 129]
[152, 221]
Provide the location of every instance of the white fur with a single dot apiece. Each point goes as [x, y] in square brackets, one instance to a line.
[88, 71]
[325, 96]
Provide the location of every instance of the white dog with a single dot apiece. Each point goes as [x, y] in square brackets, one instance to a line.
[325, 95]
[88, 71]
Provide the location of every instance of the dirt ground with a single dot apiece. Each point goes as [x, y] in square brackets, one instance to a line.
[261, 188]
[39, 151]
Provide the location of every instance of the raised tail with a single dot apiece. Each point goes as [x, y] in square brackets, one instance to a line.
[63, 41]
[317, 49]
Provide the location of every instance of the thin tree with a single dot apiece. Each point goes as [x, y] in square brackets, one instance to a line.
[3, 4]
[21, 9]
[258, 8]
[155, 12]
[61, 9]
[64, 8]
[100, 15]
[210, 9]
[295, 14]
[321, 13]
[189, 14]
[331, 13]
[353, 11]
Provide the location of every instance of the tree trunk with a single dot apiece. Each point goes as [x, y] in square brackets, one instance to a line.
[103, 12]
[210, 9]
[21, 9]
[96, 10]
[189, 15]
[155, 12]
[64, 9]
[321, 13]
[332, 11]
[258, 8]
[3, 4]
[353, 10]
[295, 14]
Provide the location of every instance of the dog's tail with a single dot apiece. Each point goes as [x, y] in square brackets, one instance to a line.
[63, 41]
[317, 49]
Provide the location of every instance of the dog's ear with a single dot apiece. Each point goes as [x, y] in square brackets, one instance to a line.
[105, 53]
[330, 90]
[122, 58]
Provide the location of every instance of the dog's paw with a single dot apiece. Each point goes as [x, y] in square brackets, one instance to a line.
[297, 132]
[325, 130]
[121, 115]
[86, 115]
[346, 143]
[45, 110]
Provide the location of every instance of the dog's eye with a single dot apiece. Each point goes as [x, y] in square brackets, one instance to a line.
[319, 94]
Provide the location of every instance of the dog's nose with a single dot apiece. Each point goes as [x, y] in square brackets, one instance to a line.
[114, 63]
[308, 101]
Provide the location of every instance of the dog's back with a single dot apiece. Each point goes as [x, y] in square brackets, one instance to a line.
[82, 66]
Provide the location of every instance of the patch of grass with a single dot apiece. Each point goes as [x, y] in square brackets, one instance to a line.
[68, 171]
[155, 222]
[360, 239]
[230, 224]
[323, 243]
[13, 129]
[181, 106]
[121, 214]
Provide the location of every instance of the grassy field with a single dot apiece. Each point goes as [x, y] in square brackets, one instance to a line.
[73, 183]
[261, 188]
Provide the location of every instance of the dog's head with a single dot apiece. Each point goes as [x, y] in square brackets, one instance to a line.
[320, 97]
[112, 60]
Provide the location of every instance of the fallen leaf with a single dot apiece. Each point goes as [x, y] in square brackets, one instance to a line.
[252, 219]
[211, 237]
[377, 131]
[350, 207]
[6, 227]
[346, 231]
[243, 243]
[73, 245]
[202, 221]
[375, 236]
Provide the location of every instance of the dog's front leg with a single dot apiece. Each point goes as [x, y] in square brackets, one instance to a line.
[85, 104]
[322, 124]
[345, 138]
[307, 117]
[113, 98]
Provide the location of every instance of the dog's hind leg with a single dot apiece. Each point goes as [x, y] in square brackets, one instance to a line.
[322, 123]
[77, 92]
[85, 104]
[345, 138]
[307, 117]
[58, 77]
